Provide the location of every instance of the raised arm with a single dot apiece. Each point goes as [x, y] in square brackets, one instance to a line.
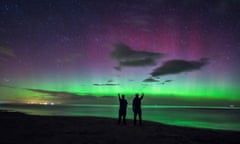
[142, 96]
[119, 96]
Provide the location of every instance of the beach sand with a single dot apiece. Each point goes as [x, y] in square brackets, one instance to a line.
[20, 128]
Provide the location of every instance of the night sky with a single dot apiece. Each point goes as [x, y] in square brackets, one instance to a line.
[66, 50]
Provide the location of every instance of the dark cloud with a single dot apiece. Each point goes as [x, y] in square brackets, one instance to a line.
[108, 84]
[7, 86]
[178, 66]
[125, 56]
[54, 93]
[109, 81]
[59, 96]
[137, 63]
[48, 92]
[150, 80]
[167, 80]
[68, 97]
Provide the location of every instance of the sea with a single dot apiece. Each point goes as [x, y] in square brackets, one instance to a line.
[220, 118]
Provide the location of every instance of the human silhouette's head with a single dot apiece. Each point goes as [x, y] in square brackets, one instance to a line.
[137, 95]
[123, 96]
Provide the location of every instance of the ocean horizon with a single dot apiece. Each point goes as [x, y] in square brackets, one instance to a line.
[211, 117]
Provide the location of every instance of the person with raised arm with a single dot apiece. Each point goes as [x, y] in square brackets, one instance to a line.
[136, 106]
[122, 109]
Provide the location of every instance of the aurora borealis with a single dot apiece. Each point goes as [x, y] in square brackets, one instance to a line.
[67, 51]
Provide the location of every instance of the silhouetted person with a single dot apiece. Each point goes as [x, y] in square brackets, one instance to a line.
[136, 105]
[122, 109]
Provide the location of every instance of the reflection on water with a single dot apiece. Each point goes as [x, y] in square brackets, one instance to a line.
[203, 117]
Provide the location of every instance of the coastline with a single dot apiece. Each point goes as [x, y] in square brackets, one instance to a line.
[21, 128]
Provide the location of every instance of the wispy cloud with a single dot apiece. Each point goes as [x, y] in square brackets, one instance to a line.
[6, 54]
[107, 84]
[150, 80]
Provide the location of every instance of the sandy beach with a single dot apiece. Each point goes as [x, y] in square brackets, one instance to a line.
[21, 128]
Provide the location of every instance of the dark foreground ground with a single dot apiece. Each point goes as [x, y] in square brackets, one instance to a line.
[20, 128]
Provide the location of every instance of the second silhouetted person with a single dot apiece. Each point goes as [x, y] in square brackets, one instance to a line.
[136, 105]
